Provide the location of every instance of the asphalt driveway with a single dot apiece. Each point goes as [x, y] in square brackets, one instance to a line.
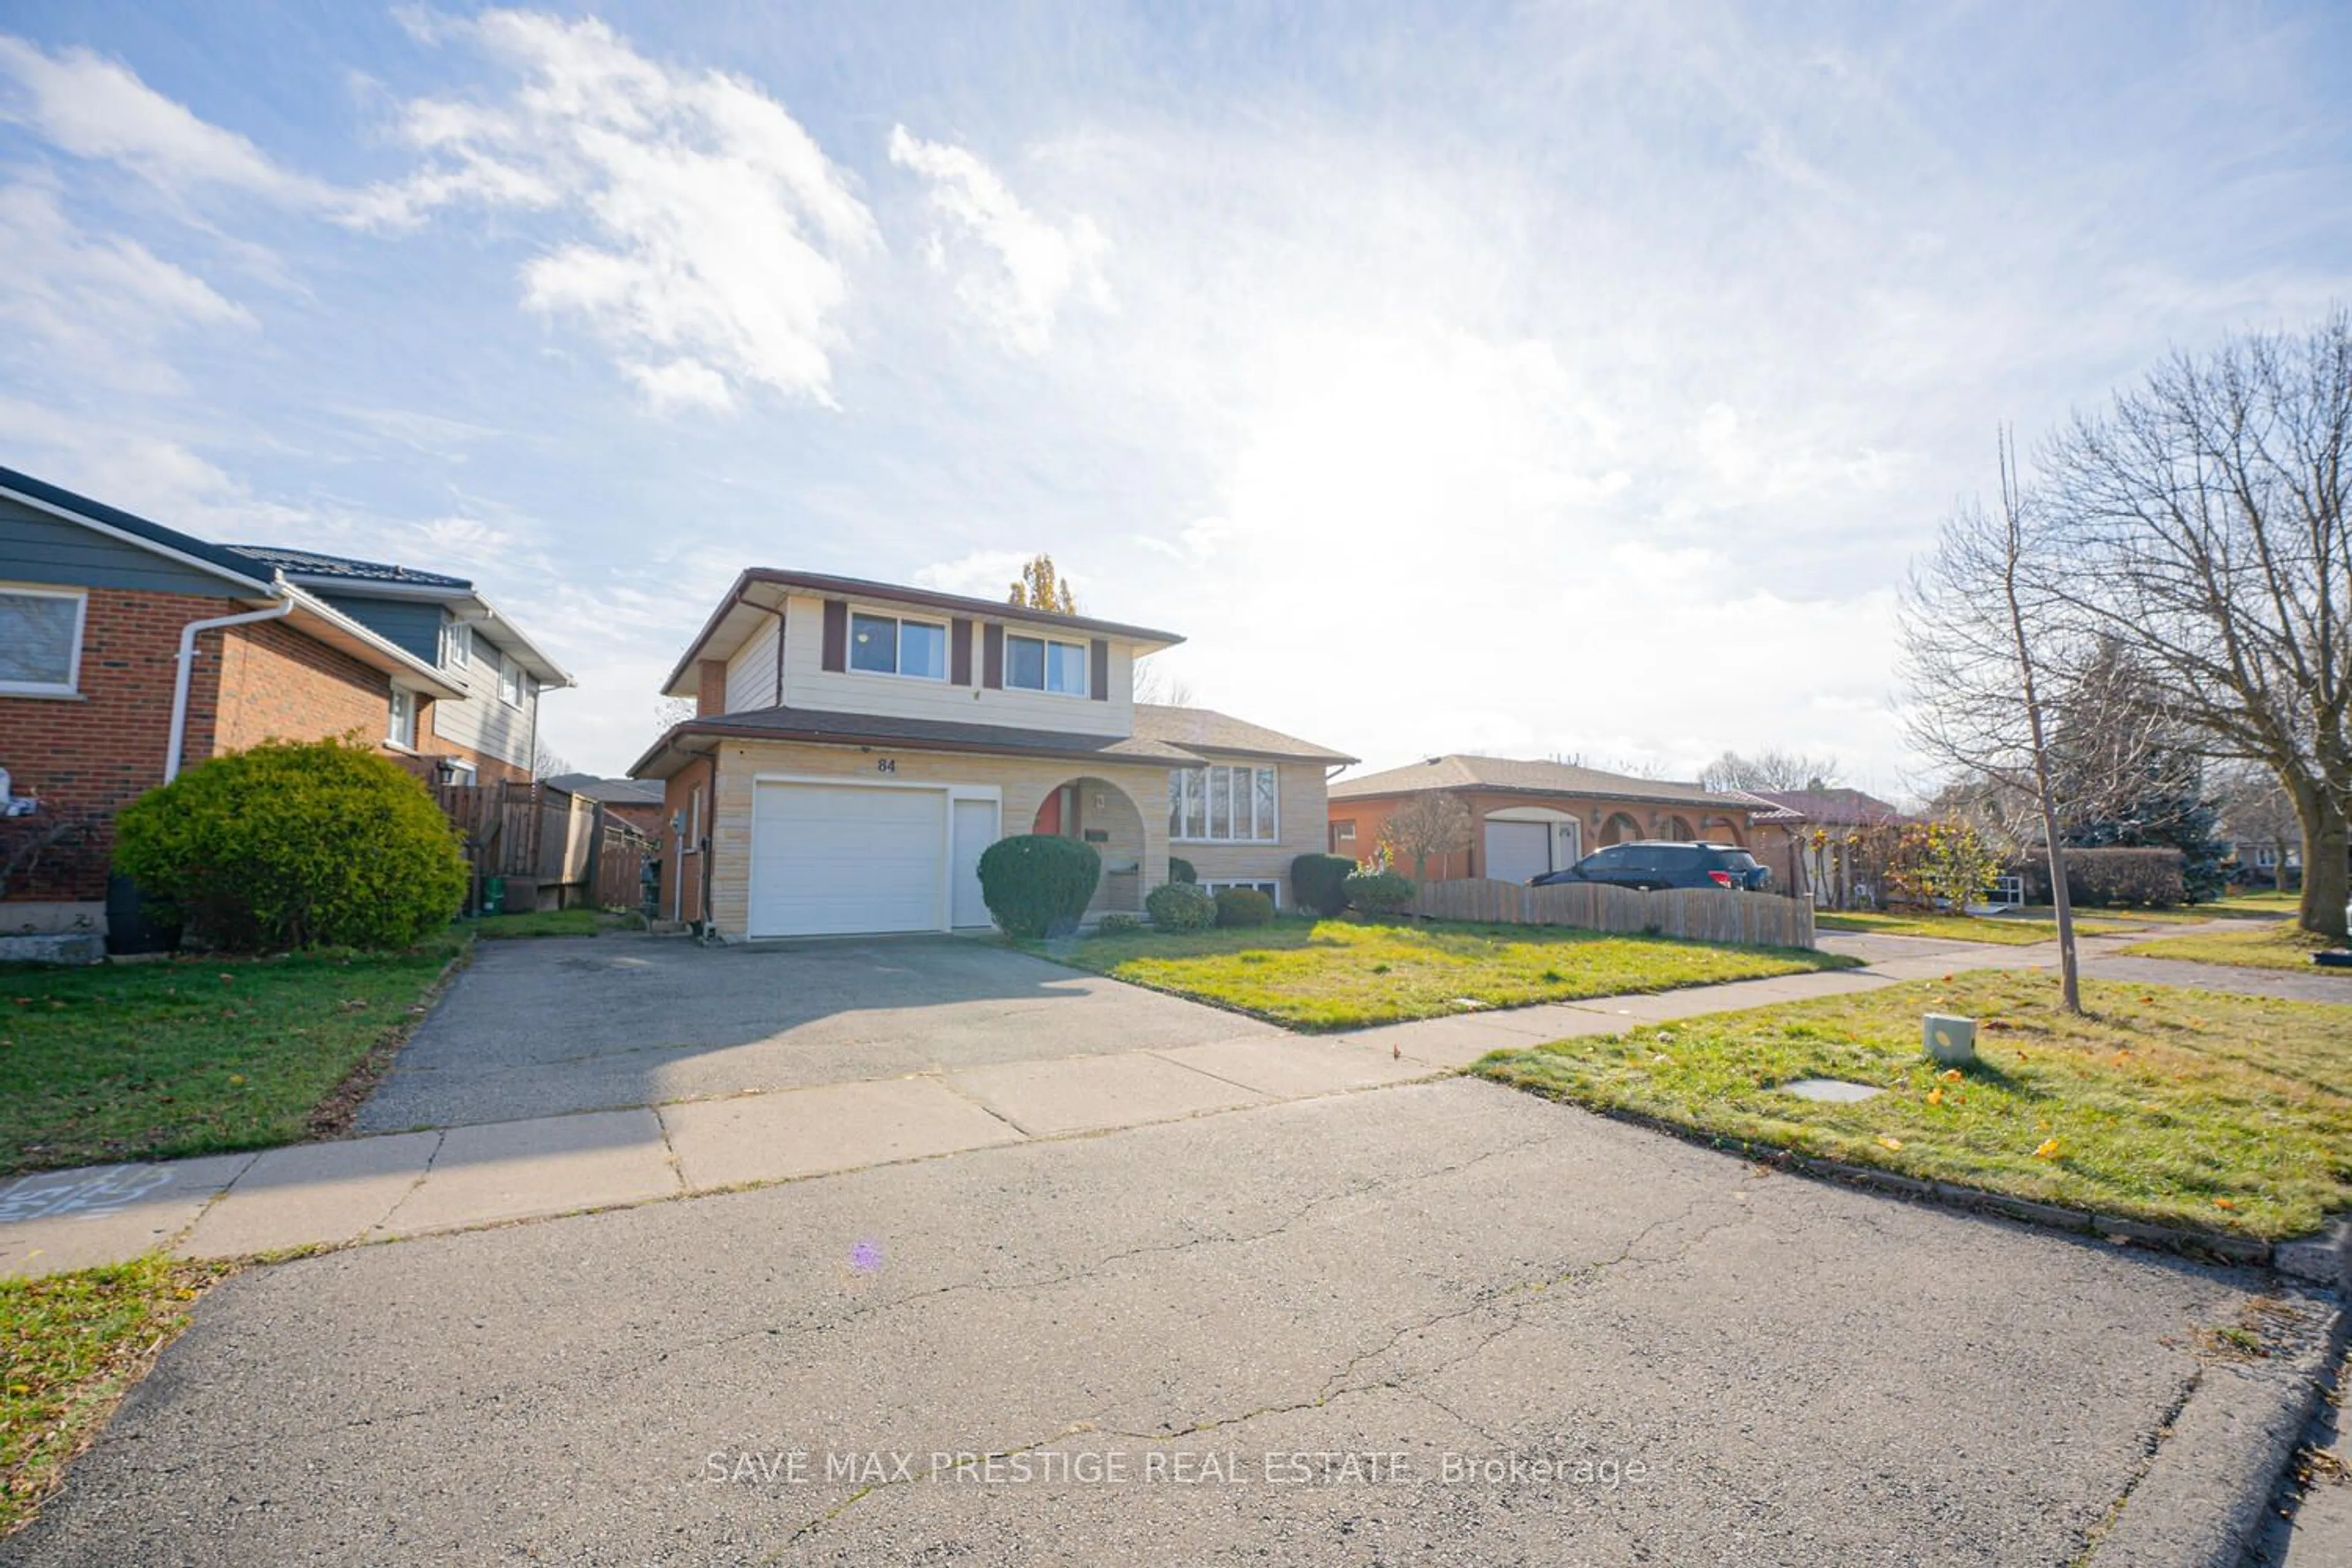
[1435, 1323]
[540, 1028]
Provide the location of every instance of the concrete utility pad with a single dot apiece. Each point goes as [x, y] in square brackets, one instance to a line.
[801, 1131]
[519, 1169]
[1803, 1373]
[1835, 1090]
[540, 1028]
[1087, 1092]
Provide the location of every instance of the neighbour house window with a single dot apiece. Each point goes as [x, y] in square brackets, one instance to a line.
[885, 645]
[1222, 805]
[1272, 891]
[1344, 832]
[461, 773]
[399, 728]
[457, 645]
[1040, 664]
[40, 640]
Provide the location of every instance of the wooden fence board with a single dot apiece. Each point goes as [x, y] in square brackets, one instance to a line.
[1719, 915]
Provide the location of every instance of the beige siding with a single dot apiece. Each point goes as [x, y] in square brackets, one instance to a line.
[1302, 810]
[1024, 783]
[752, 674]
[808, 684]
[482, 721]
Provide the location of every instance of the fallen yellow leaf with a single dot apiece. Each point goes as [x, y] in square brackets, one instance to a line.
[1952, 1075]
[2225, 1202]
[2048, 1151]
[1885, 1142]
[1935, 1096]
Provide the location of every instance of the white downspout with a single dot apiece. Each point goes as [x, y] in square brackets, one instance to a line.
[188, 635]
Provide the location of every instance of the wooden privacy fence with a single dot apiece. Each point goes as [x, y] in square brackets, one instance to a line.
[555, 849]
[1708, 914]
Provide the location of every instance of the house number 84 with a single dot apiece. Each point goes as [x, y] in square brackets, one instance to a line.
[886, 764]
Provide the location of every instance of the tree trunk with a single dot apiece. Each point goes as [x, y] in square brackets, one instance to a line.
[2326, 842]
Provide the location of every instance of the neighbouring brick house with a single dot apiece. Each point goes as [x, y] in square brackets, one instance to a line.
[858, 745]
[129, 650]
[1529, 817]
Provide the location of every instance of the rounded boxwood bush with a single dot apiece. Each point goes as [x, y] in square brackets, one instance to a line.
[1243, 906]
[1181, 906]
[294, 843]
[1181, 869]
[1038, 884]
[1319, 882]
[1380, 892]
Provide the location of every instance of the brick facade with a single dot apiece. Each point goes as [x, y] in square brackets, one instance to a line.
[94, 753]
[1599, 822]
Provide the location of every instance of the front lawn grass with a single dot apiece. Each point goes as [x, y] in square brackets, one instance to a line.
[2266, 901]
[73, 1345]
[2272, 944]
[2178, 1107]
[2010, 931]
[193, 1055]
[546, 923]
[1346, 974]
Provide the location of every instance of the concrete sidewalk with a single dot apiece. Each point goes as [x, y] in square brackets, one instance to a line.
[411, 1183]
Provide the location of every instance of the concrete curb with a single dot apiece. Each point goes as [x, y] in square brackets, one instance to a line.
[2206, 1492]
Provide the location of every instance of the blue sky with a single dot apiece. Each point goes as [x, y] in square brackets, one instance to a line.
[1571, 380]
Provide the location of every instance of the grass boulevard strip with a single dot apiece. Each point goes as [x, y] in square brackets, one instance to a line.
[2174, 1106]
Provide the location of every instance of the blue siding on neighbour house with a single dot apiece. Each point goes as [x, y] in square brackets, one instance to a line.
[37, 548]
[404, 623]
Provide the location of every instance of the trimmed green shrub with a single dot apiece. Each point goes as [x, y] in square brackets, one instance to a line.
[1038, 884]
[1243, 906]
[308, 844]
[1181, 906]
[1117, 925]
[1380, 892]
[1319, 882]
[2146, 878]
[1181, 869]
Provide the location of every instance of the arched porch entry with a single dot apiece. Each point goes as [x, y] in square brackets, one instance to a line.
[1723, 830]
[1620, 830]
[1680, 827]
[1098, 812]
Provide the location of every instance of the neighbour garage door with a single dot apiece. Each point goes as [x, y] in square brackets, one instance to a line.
[833, 858]
[1517, 850]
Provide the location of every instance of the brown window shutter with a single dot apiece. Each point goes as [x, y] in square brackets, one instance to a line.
[992, 658]
[836, 634]
[959, 652]
[1099, 671]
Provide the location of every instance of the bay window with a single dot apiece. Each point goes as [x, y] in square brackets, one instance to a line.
[1223, 805]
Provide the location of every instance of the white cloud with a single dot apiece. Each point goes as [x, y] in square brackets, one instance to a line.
[95, 107]
[93, 307]
[982, 574]
[1012, 267]
[714, 230]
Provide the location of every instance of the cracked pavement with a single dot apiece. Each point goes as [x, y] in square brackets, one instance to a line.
[1435, 1274]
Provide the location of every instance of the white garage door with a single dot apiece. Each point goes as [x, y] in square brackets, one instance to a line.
[1517, 850]
[831, 860]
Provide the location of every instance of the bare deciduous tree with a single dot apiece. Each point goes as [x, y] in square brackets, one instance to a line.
[546, 761]
[1769, 769]
[1156, 688]
[2204, 520]
[671, 711]
[1982, 647]
[1427, 825]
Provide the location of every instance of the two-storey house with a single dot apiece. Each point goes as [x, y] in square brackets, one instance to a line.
[129, 650]
[855, 745]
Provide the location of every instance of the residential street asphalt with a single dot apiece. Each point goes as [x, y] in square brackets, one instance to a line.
[1803, 1374]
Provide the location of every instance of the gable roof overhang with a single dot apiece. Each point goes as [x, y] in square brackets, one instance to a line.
[461, 596]
[824, 727]
[130, 529]
[321, 622]
[758, 592]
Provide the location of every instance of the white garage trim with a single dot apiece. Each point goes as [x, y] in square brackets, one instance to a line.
[912, 906]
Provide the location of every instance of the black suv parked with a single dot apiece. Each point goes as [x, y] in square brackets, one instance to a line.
[1650, 864]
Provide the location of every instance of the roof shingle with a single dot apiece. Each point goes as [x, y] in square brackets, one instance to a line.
[1456, 771]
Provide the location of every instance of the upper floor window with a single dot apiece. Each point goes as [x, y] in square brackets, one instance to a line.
[40, 640]
[1040, 664]
[400, 727]
[885, 645]
[1222, 805]
[457, 645]
[509, 683]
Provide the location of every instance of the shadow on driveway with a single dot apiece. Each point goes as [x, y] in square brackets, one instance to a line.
[545, 1027]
